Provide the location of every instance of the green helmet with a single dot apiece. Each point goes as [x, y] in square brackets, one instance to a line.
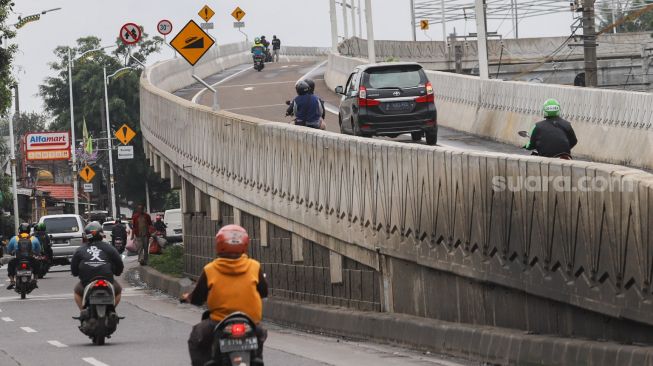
[551, 108]
[257, 40]
[41, 227]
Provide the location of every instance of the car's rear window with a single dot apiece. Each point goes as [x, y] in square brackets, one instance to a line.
[60, 225]
[107, 227]
[394, 77]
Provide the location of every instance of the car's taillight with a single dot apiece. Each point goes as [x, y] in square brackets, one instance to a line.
[362, 98]
[100, 283]
[430, 95]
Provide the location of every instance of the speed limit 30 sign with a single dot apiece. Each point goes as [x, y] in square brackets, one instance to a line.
[164, 27]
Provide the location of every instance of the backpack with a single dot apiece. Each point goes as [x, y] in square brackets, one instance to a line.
[24, 247]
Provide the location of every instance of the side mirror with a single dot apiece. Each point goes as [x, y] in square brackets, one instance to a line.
[523, 134]
[340, 90]
[287, 102]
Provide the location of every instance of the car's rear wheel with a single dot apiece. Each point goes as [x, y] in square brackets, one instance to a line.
[342, 128]
[432, 137]
[356, 129]
[416, 136]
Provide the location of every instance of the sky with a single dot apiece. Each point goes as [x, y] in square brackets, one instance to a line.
[295, 22]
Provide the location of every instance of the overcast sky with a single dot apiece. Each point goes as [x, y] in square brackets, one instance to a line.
[79, 18]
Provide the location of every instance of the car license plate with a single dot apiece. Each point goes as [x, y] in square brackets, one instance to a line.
[237, 345]
[398, 106]
[177, 231]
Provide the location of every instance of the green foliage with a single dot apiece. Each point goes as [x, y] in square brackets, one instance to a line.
[6, 56]
[170, 262]
[24, 123]
[643, 23]
[124, 105]
[171, 201]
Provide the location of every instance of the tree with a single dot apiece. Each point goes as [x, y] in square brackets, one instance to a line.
[24, 123]
[642, 23]
[124, 106]
[6, 56]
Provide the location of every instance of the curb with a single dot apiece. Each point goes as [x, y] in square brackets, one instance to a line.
[485, 344]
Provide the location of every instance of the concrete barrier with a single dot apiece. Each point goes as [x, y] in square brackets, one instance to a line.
[612, 126]
[430, 221]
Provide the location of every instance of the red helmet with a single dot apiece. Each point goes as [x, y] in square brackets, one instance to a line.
[231, 239]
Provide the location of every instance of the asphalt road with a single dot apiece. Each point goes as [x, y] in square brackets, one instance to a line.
[263, 95]
[40, 331]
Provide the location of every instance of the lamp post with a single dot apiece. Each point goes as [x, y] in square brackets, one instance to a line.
[12, 157]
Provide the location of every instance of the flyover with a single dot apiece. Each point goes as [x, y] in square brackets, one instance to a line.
[388, 228]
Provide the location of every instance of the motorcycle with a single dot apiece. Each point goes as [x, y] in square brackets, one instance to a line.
[563, 156]
[259, 62]
[24, 281]
[45, 262]
[98, 318]
[234, 342]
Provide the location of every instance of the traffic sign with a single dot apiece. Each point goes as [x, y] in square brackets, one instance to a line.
[206, 13]
[130, 34]
[125, 134]
[238, 13]
[424, 24]
[192, 42]
[207, 26]
[125, 152]
[239, 25]
[87, 173]
[164, 27]
[88, 187]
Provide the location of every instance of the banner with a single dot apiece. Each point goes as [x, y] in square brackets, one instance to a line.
[47, 146]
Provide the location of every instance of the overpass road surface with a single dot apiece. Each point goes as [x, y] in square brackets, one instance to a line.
[39, 331]
[245, 91]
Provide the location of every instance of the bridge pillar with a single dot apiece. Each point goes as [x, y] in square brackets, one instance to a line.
[165, 172]
[156, 163]
[297, 244]
[335, 267]
[237, 217]
[175, 179]
[187, 197]
[214, 204]
[200, 202]
[264, 233]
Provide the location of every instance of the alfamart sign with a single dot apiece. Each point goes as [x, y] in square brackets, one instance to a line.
[47, 146]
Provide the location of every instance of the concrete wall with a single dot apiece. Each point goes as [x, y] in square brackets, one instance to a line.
[411, 214]
[612, 126]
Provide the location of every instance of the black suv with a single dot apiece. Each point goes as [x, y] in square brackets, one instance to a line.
[389, 100]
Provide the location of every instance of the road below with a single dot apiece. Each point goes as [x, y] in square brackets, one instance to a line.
[40, 331]
[263, 95]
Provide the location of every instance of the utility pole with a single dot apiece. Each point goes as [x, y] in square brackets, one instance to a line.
[481, 31]
[334, 26]
[413, 21]
[371, 52]
[515, 14]
[17, 96]
[112, 184]
[73, 143]
[444, 22]
[344, 19]
[12, 158]
[589, 41]
[614, 17]
[360, 20]
[353, 17]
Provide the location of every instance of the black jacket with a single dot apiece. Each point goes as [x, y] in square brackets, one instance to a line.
[96, 259]
[119, 231]
[552, 137]
[276, 44]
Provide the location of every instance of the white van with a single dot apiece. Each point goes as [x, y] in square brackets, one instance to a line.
[66, 232]
[173, 221]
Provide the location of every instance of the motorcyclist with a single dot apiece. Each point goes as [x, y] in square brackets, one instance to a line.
[258, 50]
[554, 136]
[311, 85]
[266, 44]
[119, 232]
[22, 246]
[306, 107]
[231, 283]
[159, 225]
[95, 258]
[41, 234]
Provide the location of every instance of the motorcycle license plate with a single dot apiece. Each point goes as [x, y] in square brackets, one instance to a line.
[24, 273]
[237, 345]
[100, 300]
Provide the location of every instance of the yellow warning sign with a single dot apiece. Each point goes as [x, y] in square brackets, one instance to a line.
[424, 24]
[238, 13]
[87, 173]
[192, 42]
[206, 13]
[125, 134]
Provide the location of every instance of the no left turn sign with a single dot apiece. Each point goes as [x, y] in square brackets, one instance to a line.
[164, 27]
[130, 33]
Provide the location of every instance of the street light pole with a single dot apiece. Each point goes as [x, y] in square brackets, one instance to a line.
[72, 133]
[413, 20]
[370, 31]
[481, 31]
[353, 17]
[334, 26]
[114, 212]
[344, 19]
[12, 157]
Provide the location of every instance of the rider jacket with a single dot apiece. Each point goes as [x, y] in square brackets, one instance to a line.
[231, 285]
[258, 49]
[552, 137]
[96, 259]
[13, 247]
[307, 109]
[119, 231]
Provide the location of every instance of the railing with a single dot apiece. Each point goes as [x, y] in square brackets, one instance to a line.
[454, 211]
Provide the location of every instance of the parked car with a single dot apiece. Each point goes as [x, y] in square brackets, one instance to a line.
[173, 221]
[107, 226]
[66, 232]
[389, 99]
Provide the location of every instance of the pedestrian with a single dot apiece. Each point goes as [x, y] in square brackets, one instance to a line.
[142, 228]
[276, 47]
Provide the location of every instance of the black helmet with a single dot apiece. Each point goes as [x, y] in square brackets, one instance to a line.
[93, 232]
[302, 87]
[311, 85]
[24, 228]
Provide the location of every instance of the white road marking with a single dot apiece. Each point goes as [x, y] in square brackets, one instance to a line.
[57, 344]
[93, 361]
[331, 108]
[284, 67]
[308, 74]
[259, 84]
[7, 319]
[28, 329]
[197, 96]
[248, 88]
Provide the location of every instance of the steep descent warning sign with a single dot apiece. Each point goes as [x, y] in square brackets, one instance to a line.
[125, 134]
[192, 42]
[87, 173]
